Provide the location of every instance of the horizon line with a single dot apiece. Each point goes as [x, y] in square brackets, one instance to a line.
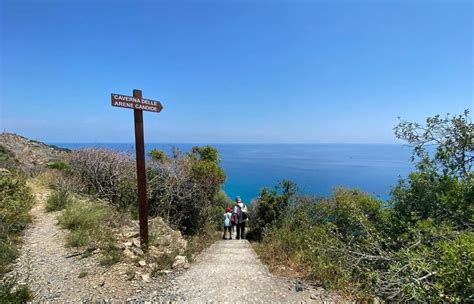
[231, 143]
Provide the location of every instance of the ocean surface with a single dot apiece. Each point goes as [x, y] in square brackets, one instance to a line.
[316, 168]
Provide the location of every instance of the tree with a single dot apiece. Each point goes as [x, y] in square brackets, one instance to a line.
[442, 187]
[452, 138]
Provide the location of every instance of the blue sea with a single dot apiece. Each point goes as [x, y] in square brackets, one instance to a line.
[316, 168]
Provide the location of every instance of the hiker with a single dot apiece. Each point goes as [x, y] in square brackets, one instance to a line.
[227, 223]
[240, 214]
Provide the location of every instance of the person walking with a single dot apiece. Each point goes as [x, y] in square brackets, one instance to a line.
[241, 217]
[227, 223]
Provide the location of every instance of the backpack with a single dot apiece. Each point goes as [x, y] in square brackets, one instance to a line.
[238, 214]
[244, 216]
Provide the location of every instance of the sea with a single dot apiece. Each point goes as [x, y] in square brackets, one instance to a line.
[316, 168]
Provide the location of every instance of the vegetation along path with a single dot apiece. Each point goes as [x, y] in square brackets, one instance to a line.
[228, 271]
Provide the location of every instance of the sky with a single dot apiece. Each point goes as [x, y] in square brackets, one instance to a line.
[233, 71]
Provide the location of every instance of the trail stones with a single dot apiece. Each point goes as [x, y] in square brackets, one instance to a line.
[180, 262]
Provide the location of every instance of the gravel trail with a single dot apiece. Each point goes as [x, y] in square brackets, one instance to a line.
[230, 271]
[56, 276]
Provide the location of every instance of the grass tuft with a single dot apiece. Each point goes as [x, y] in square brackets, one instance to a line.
[88, 222]
[13, 292]
[58, 200]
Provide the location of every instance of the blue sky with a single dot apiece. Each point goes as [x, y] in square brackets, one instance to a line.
[239, 72]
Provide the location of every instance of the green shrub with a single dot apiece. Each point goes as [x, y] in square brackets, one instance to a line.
[16, 201]
[90, 226]
[58, 200]
[270, 207]
[58, 165]
[12, 292]
[183, 188]
[418, 248]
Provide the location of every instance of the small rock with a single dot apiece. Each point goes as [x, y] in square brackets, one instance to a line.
[314, 297]
[142, 263]
[299, 287]
[128, 244]
[180, 261]
[137, 251]
[132, 234]
[128, 253]
[146, 278]
[136, 243]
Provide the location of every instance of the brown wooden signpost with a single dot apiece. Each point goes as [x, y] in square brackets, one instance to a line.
[139, 104]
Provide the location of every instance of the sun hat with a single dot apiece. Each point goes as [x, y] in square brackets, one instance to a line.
[237, 198]
[227, 209]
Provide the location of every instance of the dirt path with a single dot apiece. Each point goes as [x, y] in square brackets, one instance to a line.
[57, 277]
[230, 271]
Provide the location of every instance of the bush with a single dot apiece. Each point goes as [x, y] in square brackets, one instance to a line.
[16, 201]
[106, 173]
[335, 241]
[270, 207]
[183, 188]
[90, 227]
[58, 165]
[58, 200]
[418, 248]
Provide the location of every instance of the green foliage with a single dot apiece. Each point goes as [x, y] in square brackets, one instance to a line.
[270, 207]
[327, 239]
[58, 200]
[206, 153]
[158, 155]
[58, 165]
[12, 292]
[435, 265]
[16, 201]
[426, 195]
[418, 248]
[183, 188]
[89, 224]
[453, 138]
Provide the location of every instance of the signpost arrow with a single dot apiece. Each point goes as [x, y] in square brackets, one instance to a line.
[139, 104]
[133, 102]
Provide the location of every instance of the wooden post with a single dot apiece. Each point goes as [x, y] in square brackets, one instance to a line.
[139, 104]
[141, 173]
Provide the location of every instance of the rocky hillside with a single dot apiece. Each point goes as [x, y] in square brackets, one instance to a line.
[18, 151]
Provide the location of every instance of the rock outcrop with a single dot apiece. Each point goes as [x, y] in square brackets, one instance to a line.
[18, 151]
